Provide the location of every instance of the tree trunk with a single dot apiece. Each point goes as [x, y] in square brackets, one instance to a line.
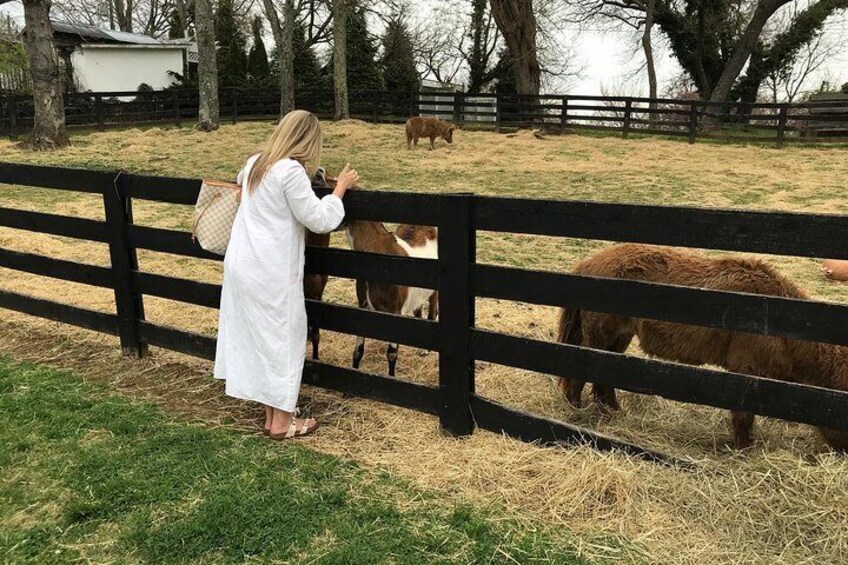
[647, 47]
[765, 9]
[340, 59]
[517, 23]
[207, 66]
[283, 43]
[287, 60]
[48, 129]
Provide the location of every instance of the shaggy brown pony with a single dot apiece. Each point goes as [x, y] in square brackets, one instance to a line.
[428, 127]
[772, 357]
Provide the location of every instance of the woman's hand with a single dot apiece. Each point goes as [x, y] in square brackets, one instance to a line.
[346, 179]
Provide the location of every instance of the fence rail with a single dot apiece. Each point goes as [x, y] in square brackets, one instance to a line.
[814, 121]
[460, 280]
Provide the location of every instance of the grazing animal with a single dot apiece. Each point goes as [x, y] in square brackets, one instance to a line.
[428, 127]
[407, 241]
[765, 356]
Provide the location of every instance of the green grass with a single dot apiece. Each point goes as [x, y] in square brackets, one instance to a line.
[87, 476]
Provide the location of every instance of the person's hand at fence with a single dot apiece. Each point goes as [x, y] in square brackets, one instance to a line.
[347, 179]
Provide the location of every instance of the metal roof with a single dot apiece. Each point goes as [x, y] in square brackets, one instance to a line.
[90, 33]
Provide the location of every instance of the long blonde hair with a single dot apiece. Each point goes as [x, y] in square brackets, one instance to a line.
[298, 136]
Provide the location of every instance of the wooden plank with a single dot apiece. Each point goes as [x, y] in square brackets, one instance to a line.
[167, 241]
[162, 189]
[777, 399]
[56, 268]
[780, 233]
[457, 252]
[78, 228]
[388, 390]
[178, 340]
[64, 313]
[389, 206]
[183, 290]
[500, 419]
[61, 178]
[752, 313]
[421, 273]
[422, 334]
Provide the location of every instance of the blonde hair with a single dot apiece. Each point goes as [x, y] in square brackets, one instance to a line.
[298, 136]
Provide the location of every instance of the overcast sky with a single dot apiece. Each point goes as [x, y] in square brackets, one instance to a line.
[609, 59]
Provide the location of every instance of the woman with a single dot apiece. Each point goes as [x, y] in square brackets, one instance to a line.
[262, 329]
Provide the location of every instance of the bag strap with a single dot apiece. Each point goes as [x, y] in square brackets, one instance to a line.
[202, 213]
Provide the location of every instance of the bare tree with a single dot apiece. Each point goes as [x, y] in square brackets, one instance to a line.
[516, 21]
[342, 107]
[207, 67]
[48, 130]
[789, 83]
[283, 35]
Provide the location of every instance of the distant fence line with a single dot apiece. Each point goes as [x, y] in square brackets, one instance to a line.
[815, 121]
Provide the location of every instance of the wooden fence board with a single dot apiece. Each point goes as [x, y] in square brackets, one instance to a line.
[78, 228]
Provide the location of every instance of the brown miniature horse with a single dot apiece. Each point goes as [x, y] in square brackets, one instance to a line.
[765, 356]
[428, 127]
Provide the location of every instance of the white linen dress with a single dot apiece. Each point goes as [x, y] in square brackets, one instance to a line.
[262, 324]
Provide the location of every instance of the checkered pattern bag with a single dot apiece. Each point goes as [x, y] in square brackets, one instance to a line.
[214, 215]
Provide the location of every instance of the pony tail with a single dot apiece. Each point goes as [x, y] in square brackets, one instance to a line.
[570, 328]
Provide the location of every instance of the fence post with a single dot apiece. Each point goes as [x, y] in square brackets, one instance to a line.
[235, 106]
[563, 118]
[458, 102]
[376, 107]
[628, 108]
[693, 120]
[781, 125]
[497, 113]
[128, 302]
[177, 114]
[98, 111]
[457, 252]
[13, 118]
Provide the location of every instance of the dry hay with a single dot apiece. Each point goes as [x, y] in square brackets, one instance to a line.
[772, 504]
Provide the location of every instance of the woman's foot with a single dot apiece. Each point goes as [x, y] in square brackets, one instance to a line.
[269, 416]
[284, 425]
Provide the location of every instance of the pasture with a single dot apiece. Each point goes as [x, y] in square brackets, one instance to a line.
[773, 503]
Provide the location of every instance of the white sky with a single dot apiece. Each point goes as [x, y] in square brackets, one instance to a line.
[610, 59]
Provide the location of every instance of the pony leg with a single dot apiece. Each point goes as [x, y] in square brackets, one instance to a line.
[433, 309]
[315, 338]
[605, 394]
[432, 143]
[392, 357]
[572, 389]
[742, 423]
[358, 351]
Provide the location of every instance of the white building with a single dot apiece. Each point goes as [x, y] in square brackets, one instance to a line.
[104, 60]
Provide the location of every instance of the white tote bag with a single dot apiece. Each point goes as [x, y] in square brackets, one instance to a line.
[214, 215]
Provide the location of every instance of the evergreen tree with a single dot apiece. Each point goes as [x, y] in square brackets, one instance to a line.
[398, 60]
[503, 74]
[232, 47]
[308, 76]
[363, 71]
[257, 59]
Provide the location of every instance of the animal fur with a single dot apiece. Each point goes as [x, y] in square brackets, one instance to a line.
[428, 127]
[766, 356]
[407, 241]
[313, 288]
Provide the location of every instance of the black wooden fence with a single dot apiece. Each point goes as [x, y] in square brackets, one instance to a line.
[820, 121]
[460, 279]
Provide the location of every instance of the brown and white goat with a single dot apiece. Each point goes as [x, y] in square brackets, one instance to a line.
[407, 241]
[777, 358]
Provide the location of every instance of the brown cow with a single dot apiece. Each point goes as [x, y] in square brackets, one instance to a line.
[428, 127]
